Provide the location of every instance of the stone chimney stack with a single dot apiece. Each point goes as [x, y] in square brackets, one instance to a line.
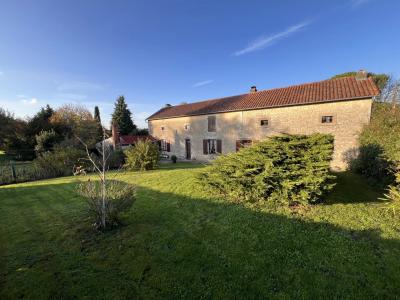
[115, 135]
[362, 75]
[253, 89]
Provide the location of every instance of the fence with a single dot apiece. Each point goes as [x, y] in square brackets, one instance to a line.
[12, 172]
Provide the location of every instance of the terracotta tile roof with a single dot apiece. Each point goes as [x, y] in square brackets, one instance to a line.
[132, 139]
[339, 89]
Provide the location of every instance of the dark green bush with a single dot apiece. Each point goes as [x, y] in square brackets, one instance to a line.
[288, 169]
[379, 145]
[59, 162]
[143, 156]
[174, 159]
[120, 196]
[116, 159]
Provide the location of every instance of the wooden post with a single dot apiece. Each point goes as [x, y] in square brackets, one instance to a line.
[13, 173]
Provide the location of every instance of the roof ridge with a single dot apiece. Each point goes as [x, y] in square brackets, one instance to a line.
[261, 91]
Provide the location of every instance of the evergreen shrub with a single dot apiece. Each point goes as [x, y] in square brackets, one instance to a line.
[289, 169]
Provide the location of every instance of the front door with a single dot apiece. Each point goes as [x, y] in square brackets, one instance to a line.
[188, 149]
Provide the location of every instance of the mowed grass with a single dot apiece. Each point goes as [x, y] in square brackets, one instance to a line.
[179, 241]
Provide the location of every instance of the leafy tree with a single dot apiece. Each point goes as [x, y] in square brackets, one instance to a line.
[72, 121]
[380, 79]
[7, 122]
[45, 141]
[122, 117]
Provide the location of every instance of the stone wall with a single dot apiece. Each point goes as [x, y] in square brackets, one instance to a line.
[348, 120]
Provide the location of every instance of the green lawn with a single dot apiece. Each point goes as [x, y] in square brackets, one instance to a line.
[181, 242]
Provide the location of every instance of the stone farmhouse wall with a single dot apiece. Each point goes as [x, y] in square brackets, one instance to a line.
[348, 119]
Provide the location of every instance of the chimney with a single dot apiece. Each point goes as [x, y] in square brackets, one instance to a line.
[253, 89]
[362, 75]
[115, 135]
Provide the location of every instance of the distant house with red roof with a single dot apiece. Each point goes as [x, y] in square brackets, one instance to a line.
[125, 141]
[204, 129]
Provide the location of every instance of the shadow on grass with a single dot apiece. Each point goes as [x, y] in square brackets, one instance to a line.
[176, 246]
[356, 192]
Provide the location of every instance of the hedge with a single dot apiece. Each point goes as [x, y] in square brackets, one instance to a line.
[288, 169]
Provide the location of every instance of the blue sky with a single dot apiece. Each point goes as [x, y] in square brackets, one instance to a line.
[158, 52]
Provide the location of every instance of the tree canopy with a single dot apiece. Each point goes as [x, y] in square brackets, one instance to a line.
[122, 117]
[380, 79]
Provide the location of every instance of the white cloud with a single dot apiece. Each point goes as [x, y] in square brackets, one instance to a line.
[31, 101]
[267, 41]
[201, 83]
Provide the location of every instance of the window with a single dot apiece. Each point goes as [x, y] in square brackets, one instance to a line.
[243, 143]
[163, 128]
[327, 119]
[212, 146]
[186, 127]
[164, 145]
[264, 123]
[211, 124]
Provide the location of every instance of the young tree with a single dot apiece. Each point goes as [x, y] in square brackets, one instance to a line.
[122, 117]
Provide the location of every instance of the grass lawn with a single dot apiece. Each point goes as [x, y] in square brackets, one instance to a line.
[181, 242]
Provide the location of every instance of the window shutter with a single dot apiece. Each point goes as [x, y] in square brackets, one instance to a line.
[205, 147]
[159, 145]
[219, 146]
[168, 146]
[237, 145]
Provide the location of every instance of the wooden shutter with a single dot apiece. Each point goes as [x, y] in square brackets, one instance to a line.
[219, 146]
[205, 147]
[211, 123]
[238, 144]
[168, 146]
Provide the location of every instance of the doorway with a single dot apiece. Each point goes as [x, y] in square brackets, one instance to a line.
[188, 149]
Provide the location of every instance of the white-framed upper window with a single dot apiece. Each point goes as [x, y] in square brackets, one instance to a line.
[186, 127]
[264, 122]
[326, 119]
[163, 128]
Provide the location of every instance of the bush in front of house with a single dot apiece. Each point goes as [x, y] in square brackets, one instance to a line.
[59, 162]
[379, 145]
[144, 155]
[119, 197]
[174, 159]
[289, 169]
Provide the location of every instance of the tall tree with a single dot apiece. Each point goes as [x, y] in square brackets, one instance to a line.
[122, 117]
[98, 121]
[380, 79]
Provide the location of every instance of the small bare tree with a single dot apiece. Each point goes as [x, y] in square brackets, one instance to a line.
[109, 197]
[391, 92]
[100, 169]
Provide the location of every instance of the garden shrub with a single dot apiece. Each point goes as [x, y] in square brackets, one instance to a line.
[116, 159]
[59, 162]
[394, 190]
[174, 159]
[287, 169]
[120, 196]
[142, 156]
[379, 144]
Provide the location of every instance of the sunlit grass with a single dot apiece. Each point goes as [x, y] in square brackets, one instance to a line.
[180, 241]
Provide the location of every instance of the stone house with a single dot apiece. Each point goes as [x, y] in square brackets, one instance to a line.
[202, 130]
